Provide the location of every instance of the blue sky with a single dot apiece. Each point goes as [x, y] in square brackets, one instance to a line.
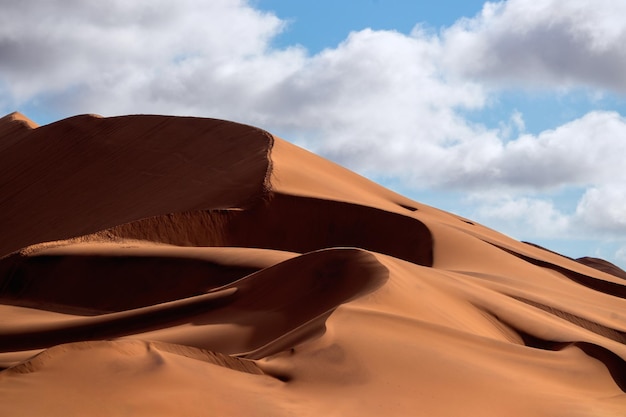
[510, 113]
[324, 24]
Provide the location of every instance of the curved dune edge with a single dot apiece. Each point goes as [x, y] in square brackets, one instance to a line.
[611, 287]
[237, 274]
[135, 347]
[335, 276]
[616, 335]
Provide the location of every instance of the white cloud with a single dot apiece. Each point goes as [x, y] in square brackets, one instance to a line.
[585, 152]
[582, 152]
[620, 255]
[119, 55]
[523, 217]
[603, 209]
[515, 125]
[378, 89]
[544, 43]
[600, 213]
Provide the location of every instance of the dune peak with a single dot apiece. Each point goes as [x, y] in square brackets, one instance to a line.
[19, 117]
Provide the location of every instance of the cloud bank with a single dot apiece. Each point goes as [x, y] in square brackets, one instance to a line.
[548, 44]
[383, 103]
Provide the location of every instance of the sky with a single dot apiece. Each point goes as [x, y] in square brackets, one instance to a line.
[510, 113]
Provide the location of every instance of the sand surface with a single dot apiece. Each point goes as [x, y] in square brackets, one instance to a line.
[160, 266]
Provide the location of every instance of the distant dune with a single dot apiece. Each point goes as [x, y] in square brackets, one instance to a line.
[161, 266]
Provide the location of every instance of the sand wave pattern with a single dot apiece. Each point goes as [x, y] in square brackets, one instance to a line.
[159, 266]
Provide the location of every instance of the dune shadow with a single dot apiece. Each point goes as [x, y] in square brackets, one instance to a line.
[291, 223]
[99, 284]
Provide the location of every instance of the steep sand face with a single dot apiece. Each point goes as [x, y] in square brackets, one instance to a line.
[180, 266]
[86, 173]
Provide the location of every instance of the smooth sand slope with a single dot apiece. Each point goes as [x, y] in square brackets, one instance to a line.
[158, 266]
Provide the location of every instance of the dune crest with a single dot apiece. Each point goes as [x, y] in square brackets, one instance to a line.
[602, 265]
[17, 118]
[156, 265]
[13, 127]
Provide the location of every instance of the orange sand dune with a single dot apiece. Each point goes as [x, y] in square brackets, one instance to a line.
[155, 266]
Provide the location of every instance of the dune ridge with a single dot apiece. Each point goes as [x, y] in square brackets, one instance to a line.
[13, 127]
[40, 361]
[157, 265]
[603, 265]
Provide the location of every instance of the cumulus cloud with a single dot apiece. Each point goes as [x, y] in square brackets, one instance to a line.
[525, 217]
[542, 43]
[119, 56]
[603, 209]
[582, 152]
[599, 214]
[620, 255]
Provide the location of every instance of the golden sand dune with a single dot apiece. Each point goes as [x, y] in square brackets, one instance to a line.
[158, 266]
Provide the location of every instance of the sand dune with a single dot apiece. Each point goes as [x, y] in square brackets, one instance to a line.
[154, 265]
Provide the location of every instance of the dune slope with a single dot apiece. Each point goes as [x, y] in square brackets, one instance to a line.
[154, 265]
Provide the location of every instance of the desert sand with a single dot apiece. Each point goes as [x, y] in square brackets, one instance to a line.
[177, 266]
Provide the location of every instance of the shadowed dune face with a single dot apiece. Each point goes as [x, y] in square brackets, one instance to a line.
[102, 284]
[290, 223]
[154, 265]
[86, 174]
